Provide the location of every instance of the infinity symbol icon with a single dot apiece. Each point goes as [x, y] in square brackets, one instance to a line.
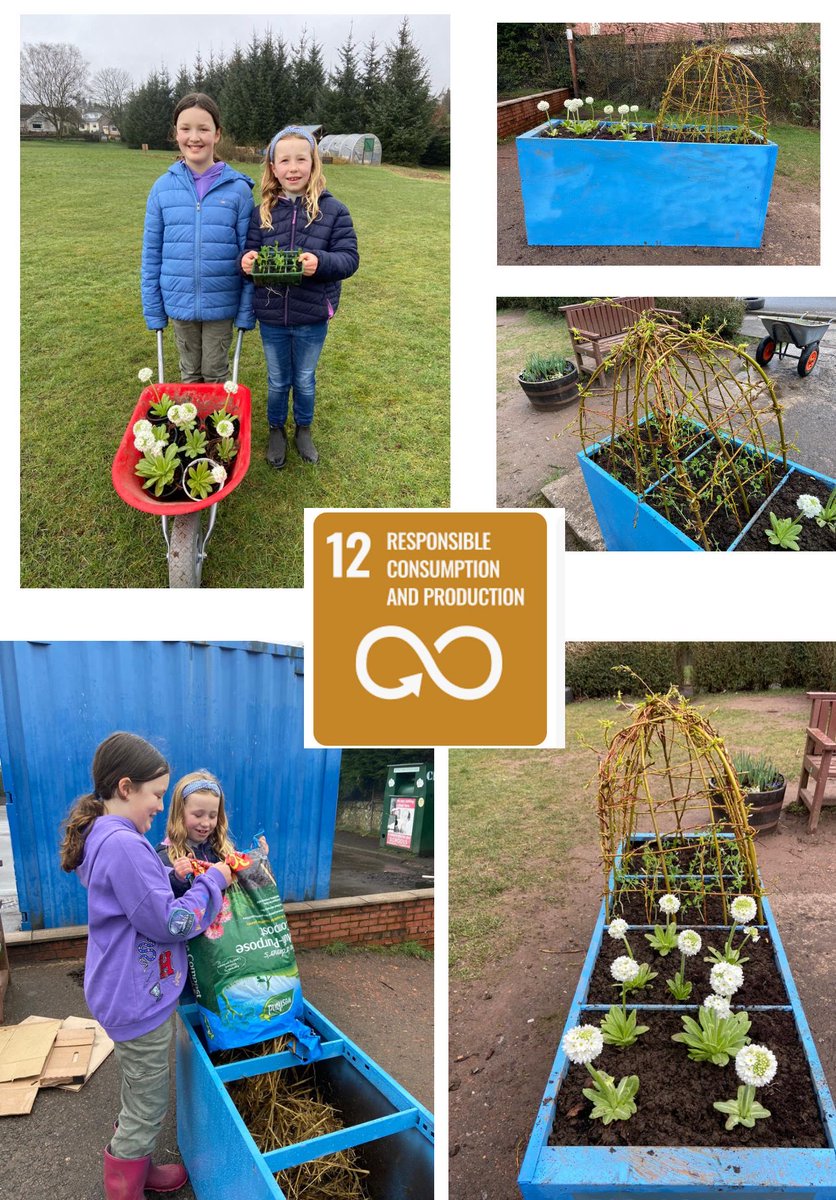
[410, 685]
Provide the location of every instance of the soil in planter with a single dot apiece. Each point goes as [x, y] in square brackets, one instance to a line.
[698, 858]
[784, 505]
[721, 521]
[646, 135]
[618, 457]
[762, 983]
[675, 1097]
[631, 906]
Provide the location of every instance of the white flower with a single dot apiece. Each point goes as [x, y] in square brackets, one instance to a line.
[144, 441]
[743, 909]
[689, 942]
[144, 375]
[624, 969]
[623, 108]
[568, 104]
[589, 100]
[810, 506]
[583, 1043]
[634, 108]
[756, 1065]
[219, 474]
[755, 936]
[608, 109]
[543, 106]
[669, 904]
[231, 388]
[720, 1004]
[225, 428]
[155, 449]
[142, 427]
[618, 928]
[726, 978]
[189, 412]
[175, 414]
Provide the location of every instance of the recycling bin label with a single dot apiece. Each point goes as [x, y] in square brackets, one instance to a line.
[434, 628]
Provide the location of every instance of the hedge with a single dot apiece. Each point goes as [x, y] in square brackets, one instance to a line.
[716, 666]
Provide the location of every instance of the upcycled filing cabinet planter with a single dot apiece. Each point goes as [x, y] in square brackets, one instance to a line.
[394, 1131]
[689, 1172]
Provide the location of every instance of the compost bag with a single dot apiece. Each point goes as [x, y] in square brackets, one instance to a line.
[243, 969]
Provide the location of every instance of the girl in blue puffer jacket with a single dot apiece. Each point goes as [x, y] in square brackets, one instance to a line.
[297, 213]
[196, 223]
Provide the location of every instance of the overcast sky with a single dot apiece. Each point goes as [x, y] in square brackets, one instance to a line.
[139, 45]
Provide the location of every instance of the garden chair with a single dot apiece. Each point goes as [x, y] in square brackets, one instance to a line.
[603, 324]
[819, 761]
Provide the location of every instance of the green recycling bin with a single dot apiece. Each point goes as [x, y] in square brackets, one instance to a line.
[407, 820]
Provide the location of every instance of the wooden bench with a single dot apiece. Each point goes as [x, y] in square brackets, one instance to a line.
[819, 761]
[597, 327]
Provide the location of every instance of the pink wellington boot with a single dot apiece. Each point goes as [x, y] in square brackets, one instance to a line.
[161, 1177]
[124, 1178]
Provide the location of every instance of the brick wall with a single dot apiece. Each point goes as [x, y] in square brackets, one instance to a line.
[516, 116]
[382, 920]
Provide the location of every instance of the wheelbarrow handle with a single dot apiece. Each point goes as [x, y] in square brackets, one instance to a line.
[235, 361]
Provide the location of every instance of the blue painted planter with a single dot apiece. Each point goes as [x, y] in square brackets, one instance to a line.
[680, 1173]
[581, 192]
[224, 1163]
[627, 523]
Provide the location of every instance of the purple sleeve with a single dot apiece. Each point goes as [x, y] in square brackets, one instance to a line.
[146, 898]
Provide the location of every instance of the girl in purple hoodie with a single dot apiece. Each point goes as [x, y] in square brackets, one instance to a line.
[136, 958]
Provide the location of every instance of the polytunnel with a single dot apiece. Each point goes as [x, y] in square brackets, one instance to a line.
[362, 148]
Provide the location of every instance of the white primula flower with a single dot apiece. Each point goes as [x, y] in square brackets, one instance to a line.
[810, 506]
[726, 978]
[543, 106]
[755, 936]
[143, 441]
[231, 388]
[144, 375]
[618, 928]
[219, 474]
[743, 909]
[142, 427]
[634, 108]
[669, 904]
[567, 104]
[175, 414]
[155, 449]
[623, 109]
[583, 1043]
[608, 109]
[624, 969]
[720, 1004]
[225, 428]
[756, 1065]
[589, 100]
[189, 412]
[689, 942]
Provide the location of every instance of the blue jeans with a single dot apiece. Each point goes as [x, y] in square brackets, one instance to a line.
[292, 352]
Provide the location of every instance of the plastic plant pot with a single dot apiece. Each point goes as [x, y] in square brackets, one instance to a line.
[184, 475]
[586, 192]
[277, 274]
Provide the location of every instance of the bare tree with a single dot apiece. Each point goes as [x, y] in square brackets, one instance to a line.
[111, 88]
[53, 75]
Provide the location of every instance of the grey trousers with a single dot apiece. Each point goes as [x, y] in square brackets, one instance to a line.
[203, 347]
[143, 1062]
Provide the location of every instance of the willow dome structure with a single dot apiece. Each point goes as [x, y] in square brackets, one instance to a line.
[715, 91]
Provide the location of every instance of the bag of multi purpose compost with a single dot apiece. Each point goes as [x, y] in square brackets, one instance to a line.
[243, 969]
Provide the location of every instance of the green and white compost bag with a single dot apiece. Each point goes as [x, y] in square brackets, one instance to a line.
[243, 969]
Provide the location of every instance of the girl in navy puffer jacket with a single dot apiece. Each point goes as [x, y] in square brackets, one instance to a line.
[297, 213]
[196, 222]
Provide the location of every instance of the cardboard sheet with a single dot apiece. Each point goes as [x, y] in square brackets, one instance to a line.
[102, 1044]
[16, 1099]
[25, 1048]
[69, 1058]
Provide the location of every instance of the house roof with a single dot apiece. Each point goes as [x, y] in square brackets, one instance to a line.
[654, 32]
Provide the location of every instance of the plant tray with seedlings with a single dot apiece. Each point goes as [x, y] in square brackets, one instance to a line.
[289, 1130]
[186, 446]
[275, 267]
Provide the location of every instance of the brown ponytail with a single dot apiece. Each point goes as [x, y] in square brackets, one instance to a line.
[120, 756]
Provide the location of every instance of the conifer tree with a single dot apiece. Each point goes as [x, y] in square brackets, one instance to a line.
[148, 115]
[371, 84]
[214, 76]
[233, 99]
[309, 81]
[402, 116]
[343, 106]
[182, 84]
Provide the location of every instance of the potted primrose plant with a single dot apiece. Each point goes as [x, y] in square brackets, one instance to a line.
[276, 267]
[700, 175]
[684, 446]
[550, 381]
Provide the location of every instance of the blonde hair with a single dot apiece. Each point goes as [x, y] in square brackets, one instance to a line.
[272, 191]
[175, 829]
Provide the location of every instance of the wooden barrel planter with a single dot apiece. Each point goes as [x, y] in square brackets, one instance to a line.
[549, 395]
[764, 807]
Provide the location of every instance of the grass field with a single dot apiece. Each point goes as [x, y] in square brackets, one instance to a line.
[382, 414]
[515, 815]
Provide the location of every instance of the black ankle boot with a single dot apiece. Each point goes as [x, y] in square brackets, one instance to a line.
[277, 447]
[304, 444]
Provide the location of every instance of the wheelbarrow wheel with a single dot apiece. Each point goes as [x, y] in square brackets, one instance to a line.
[185, 560]
[809, 358]
[765, 351]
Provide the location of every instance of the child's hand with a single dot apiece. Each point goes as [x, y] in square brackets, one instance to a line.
[182, 867]
[262, 845]
[225, 871]
[309, 262]
[248, 260]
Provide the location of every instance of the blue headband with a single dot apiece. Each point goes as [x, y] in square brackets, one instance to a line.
[201, 785]
[290, 131]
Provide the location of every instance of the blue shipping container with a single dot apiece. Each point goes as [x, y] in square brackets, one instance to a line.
[234, 708]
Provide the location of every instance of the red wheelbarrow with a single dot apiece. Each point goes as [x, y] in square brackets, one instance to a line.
[187, 525]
